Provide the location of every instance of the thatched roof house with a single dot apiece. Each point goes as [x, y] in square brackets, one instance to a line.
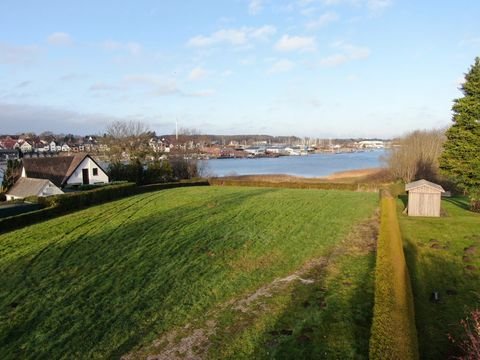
[65, 170]
[424, 198]
[25, 187]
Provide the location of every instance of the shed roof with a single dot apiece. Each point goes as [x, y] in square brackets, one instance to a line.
[27, 187]
[56, 169]
[416, 184]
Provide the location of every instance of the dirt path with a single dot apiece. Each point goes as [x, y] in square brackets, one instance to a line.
[193, 342]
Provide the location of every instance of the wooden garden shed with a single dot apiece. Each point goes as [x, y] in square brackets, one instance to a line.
[424, 198]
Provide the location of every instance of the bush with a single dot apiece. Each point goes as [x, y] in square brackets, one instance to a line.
[394, 334]
[184, 168]
[158, 172]
[132, 172]
[470, 344]
[61, 204]
[58, 205]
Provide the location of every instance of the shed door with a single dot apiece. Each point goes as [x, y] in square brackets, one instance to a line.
[85, 177]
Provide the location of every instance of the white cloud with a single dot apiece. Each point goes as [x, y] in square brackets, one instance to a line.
[60, 39]
[293, 43]
[230, 36]
[156, 84]
[101, 86]
[334, 60]
[354, 52]
[262, 33]
[255, 6]
[249, 60]
[133, 48]
[375, 6]
[324, 20]
[197, 74]
[348, 53]
[282, 65]
[18, 54]
[378, 5]
[201, 93]
[240, 36]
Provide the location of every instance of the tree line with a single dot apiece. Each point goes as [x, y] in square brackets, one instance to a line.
[450, 157]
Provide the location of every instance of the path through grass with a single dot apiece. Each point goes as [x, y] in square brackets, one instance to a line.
[104, 281]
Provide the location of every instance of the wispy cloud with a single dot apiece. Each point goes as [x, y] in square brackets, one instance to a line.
[201, 93]
[347, 52]
[71, 76]
[147, 84]
[379, 5]
[280, 66]
[102, 86]
[18, 54]
[240, 36]
[197, 73]
[255, 6]
[133, 48]
[23, 84]
[295, 43]
[324, 20]
[60, 39]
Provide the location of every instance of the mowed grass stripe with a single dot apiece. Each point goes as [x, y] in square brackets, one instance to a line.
[151, 262]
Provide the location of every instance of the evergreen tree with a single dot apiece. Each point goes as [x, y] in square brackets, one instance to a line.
[11, 175]
[460, 159]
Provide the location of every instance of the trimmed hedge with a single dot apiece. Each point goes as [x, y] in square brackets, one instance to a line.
[58, 205]
[17, 209]
[295, 185]
[394, 335]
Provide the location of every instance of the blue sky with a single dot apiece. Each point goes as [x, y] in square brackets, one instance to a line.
[318, 68]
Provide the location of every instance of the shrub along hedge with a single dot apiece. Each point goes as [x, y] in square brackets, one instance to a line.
[394, 335]
[62, 204]
[295, 185]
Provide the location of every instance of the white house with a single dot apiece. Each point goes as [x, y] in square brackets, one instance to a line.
[65, 148]
[87, 172]
[53, 146]
[65, 170]
[25, 187]
[26, 147]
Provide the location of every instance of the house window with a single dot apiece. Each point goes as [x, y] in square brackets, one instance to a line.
[95, 171]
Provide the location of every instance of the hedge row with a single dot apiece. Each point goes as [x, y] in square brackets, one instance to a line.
[58, 205]
[394, 334]
[295, 185]
[17, 209]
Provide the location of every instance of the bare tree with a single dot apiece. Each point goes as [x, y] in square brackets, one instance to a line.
[127, 138]
[416, 155]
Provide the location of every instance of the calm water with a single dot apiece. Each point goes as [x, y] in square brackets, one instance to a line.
[306, 166]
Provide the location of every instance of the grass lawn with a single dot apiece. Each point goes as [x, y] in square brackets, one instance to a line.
[443, 255]
[111, 279]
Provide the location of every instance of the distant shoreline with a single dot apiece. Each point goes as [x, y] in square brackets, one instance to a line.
[340, 176]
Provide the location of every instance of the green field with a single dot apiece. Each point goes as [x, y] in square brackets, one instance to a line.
[238, 272]
[443, 255]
